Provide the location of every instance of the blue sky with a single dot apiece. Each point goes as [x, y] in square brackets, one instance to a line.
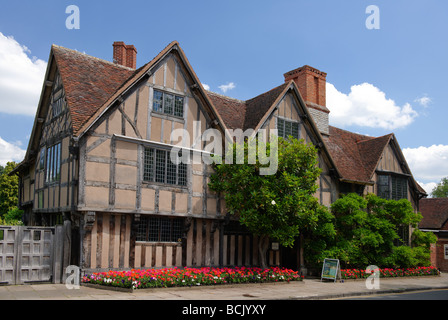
[391, 79]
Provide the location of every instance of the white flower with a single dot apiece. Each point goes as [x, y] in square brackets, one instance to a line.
[273, 202]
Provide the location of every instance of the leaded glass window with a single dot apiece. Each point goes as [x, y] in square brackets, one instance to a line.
[158, 167]
[159, 229]
[168, 103]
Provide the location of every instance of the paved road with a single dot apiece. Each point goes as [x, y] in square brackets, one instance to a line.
[307, 289]
[414, 295]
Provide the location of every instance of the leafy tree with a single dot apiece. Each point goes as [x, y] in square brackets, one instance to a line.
[366, 232]
[275, 207]
[441, 190]
[9, 188]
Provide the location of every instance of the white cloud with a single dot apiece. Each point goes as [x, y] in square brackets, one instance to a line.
[428, 164]
[226, 87]
[10, 152]
[21, 78]
[424, 101]
[367, 106]
[206, 86]
[428, 187]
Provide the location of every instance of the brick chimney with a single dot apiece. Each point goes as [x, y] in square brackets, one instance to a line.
[124, 54]
[311, 83]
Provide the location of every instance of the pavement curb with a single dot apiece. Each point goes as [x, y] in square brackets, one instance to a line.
[367, 293]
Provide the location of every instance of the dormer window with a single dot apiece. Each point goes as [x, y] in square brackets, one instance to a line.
[168, 103]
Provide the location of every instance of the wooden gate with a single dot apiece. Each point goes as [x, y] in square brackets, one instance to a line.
[30, 254]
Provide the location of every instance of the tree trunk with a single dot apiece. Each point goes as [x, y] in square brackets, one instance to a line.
[263, 244]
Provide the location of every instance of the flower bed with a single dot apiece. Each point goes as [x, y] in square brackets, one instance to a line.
[389, 273]
[172, 277]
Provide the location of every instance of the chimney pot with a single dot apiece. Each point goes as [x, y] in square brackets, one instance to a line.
[312, 86]
[125, 55]
[311, 83]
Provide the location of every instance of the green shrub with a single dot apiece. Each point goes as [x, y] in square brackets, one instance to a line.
[401, 257]
[12, 218]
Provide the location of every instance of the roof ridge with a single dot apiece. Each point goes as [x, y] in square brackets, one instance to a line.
[275, 88]
[368, 138]
[93, 57]
[225, 97]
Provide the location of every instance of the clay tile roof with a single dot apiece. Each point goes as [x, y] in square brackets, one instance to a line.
[371, 150]
[88, 82]
[232, 111]
[257, 107]
[356, 156]
[238, 114]
[435, 213]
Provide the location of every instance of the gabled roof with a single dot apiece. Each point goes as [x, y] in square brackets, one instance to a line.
[143, 71]
[88, 82]
[356, 155]
[435, 213]
[258, 107]
[232, 111]
[252, 113]
[238, 114]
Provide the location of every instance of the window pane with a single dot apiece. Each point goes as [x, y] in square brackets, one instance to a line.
[153, 229]
[383, 187]
[288, 129]
[168, 103]
[281, 127]
[160, 165]
[148, 170]
[177, 230]
[179, 107]
[171, 172]
[157, 101]
[58, 162]
[48, 165]
[165, 229]
[142, 229]
[42, 159]
[399, 188]
[57, 107]
[53, 157]
[295, 130]
[182, 174]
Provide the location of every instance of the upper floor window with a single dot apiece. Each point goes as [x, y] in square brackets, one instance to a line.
[392, 187]
[287, 128]
[158, 167]
[56, 107]
[168, 103]
[53, 163]
[42, 159]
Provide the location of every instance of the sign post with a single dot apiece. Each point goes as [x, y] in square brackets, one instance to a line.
[330, 270]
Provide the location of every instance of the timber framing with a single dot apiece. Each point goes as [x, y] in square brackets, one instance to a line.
[88, 152]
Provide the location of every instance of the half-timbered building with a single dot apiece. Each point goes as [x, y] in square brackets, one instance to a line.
[98, 159]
